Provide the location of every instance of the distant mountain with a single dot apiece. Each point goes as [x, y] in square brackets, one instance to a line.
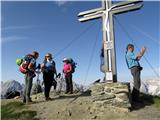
[150, 86]
[61, 86]
[10, 89]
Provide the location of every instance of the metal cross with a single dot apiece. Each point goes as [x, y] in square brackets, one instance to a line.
[106, 12]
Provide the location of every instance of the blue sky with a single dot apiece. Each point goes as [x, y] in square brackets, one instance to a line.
[50, 26]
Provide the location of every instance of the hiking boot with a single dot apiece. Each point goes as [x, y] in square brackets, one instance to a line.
[47, 99]
[30, 100]
[66, 92]
[71, 92]
[24, 100]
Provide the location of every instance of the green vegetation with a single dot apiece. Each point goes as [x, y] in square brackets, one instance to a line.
[16, 110]
[157, 102]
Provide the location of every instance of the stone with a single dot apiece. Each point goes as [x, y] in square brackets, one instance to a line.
[97, 88]
[98, 93]
[107, 89]
[94, 117]
[116, 91]
[69, 113]
[122, 96]
[103, 97]
[110, 96]
[17, 97]
[121, 104]
[36, 89]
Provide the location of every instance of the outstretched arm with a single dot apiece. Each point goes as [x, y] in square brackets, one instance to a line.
[141, 53]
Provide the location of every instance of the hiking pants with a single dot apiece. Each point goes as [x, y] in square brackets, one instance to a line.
[28, 87]
[69, 84]
[48, 78]
[137, 82]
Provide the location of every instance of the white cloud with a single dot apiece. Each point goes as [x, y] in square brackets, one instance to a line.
[12, 39]
[61, 3]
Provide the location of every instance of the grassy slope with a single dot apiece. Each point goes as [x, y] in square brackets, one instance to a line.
[16, 110]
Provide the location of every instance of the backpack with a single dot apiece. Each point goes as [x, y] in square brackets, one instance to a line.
[23, 63]
[73, 64]
[19, 61]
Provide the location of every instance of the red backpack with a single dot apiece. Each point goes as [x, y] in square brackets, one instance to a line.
[24, 66]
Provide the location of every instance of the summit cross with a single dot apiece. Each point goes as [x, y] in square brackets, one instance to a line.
[106, 12]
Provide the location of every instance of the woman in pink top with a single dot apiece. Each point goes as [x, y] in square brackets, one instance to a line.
[67, 70]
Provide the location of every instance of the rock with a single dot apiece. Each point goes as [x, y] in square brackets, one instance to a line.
[121, 104]
[94, 117]
[69, 113]
[110, 95]
[17, 97]
[88, 108]
[122, 96]
[103, 97]
[37, 88]
[107, 89]
[97, 81]
[116, 91]
[80, 103]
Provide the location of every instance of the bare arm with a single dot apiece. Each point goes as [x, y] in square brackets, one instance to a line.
[141, 53]
[31, 67]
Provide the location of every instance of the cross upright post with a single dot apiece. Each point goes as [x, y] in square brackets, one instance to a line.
[106, 12]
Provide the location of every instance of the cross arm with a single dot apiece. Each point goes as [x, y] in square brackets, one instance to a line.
[128, 8]
[90, 17]
[120, 4]
[90, 11]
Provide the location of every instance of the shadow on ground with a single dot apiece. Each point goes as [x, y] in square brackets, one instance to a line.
[146, 100]
[67, 96]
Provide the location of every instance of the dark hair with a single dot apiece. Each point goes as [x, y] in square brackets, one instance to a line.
[130, 46]
[35, 53]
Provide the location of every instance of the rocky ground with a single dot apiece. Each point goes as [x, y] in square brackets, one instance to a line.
[79, 107]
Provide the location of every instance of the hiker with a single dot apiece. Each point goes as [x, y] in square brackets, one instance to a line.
[67, 70]
[49, 70]
[103, 67]
[29, 75]
[133, 64]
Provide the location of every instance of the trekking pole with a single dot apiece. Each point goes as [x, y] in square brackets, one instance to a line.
[38, 82]
[61, 78]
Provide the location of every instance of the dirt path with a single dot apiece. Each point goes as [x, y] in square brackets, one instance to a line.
[78, 107]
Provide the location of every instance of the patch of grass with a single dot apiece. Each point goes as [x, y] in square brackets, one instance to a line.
[157, 102]
[15, 110]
